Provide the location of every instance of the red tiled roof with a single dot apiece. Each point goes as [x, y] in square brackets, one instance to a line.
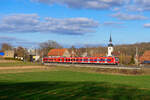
[56, 52]
[145, 56]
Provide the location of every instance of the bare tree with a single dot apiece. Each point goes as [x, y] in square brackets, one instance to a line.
[46, 46]
[20, 51]
[6, 46]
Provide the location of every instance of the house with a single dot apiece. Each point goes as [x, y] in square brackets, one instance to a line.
[145, 58]
[8, 54]
[59, 53]
[34, 54]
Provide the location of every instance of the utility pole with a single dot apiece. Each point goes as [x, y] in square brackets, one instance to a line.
[136, 56]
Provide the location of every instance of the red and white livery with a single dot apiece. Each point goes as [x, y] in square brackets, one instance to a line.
[82, 60]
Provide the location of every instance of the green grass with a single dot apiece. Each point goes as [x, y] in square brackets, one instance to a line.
[71, 85]
[19, 63]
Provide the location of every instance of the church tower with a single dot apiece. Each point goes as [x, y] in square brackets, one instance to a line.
[110, 47]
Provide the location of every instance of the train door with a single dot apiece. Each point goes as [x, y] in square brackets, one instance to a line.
[64, 59]
[97, 60]
[116, 60]
[88, 60]
[105, 60]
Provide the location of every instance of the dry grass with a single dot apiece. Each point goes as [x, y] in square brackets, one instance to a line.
[8, 61]
[32, 68]
[143, 71]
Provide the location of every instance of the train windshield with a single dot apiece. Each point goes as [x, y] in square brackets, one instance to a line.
[116, 58]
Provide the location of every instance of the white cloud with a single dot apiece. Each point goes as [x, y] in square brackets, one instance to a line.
[113, 24]
[147, 25]
[19, 23]
[17, 41]
[139, 5]
[5, 38]
[123, 16]
[86, 4]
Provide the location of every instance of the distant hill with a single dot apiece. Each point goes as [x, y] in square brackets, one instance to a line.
[130, 49]
[126, 49]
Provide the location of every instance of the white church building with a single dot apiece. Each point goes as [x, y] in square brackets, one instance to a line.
[110, 47]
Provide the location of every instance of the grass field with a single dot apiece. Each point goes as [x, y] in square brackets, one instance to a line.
[72, 85]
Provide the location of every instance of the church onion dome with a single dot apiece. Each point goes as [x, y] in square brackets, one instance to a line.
[110, 45]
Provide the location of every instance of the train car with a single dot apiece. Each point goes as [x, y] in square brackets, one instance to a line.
[82, 60]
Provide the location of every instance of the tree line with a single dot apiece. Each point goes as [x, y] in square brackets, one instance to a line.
[126, 52]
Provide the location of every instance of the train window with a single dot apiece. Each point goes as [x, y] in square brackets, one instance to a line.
[91, 59]
[95, 59]
[101, 59]
[116, 58]
[84, 59]
[80, 59]
[108, 59]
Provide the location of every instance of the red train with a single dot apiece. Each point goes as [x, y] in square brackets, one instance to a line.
[82, 60]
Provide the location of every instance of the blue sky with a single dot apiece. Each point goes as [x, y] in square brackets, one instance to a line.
[74, 22]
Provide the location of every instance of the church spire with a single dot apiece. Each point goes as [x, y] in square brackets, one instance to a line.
[110, 40]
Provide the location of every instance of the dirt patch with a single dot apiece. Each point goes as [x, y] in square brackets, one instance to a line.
[8, 61]
[22, 67]
[120, 71]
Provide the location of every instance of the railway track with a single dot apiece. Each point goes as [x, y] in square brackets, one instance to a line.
[94, 66]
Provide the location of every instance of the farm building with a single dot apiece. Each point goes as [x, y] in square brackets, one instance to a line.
[145, 58]
[59, 53]
[2, 53]
[9, 54]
